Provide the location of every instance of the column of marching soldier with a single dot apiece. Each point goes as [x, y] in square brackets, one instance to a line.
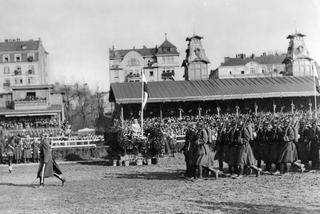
[284, 142]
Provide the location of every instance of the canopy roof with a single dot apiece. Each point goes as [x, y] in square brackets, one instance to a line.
[216, 89]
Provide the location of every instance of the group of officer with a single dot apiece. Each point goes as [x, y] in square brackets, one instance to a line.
[245, 142]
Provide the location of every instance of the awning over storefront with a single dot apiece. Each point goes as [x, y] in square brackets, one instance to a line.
[216, 89]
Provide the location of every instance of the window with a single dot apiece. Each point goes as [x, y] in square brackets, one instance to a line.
[6, 83]
[18, 81]
[230, 72]
[275, 70]
[31, 95]
[151, 73]
[30, 57]
[242, 72]
[263, 71]
[6, 70]
[31, 69]
[6, 58]
[17, 57]
[30, 80]
[252, 70]
[18, 71]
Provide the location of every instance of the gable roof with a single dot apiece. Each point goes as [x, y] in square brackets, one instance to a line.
[119, 54]
[215, 89]
[19, 45]
[268, 59]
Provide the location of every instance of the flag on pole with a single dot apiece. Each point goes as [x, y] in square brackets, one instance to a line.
[145, 91]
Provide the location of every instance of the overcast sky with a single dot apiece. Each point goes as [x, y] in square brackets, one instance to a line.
[78, 33]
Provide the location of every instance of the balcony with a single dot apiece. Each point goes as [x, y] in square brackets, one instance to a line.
[30, 59]
[17, 72]
[6, 84]
[31, 103]
[30, 72]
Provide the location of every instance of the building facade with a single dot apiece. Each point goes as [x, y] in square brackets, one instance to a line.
[196, 62]
[298, 61]
[158, 64]
[266, 65]
[22, 63]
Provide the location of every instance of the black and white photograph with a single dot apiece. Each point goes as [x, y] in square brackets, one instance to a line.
[159, 106]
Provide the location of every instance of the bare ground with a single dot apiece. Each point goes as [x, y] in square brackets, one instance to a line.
[97, 188]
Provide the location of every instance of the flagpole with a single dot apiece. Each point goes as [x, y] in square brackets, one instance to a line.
[142, 93]
[315, 91]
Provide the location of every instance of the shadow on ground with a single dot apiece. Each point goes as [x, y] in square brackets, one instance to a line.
[240, 207]
[97, 163]
[170, 175]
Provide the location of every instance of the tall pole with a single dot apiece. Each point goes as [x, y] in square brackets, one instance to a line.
[142, 93]
[315, 91]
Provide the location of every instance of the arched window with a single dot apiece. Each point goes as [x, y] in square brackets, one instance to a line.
[133, 62]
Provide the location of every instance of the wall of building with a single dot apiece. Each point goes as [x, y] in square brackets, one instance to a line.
[31, 71]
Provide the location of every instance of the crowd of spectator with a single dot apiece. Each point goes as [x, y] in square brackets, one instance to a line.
[32, 98]
[28, 123]
[178, 125]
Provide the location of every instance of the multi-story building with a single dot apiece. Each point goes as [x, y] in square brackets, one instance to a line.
[196, 62]
[266, 65]
[158, 64]
[298, 61]
[22, 63]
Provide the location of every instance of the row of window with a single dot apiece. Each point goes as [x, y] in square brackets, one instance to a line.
[253, 71]
[17, 57]
[17, 81]
[18, 71]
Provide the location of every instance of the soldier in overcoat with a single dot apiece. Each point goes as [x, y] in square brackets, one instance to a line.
[47, 166]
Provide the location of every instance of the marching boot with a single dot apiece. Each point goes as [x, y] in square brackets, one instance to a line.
[259, 163]
[221, 166]
[62, 179]
[240, 172]
[257, 169]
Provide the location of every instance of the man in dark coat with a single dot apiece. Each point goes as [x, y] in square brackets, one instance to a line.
[8, 149]
[205, 157]
[190, 150]
[288, 152]
[245, 155]
[47, 167]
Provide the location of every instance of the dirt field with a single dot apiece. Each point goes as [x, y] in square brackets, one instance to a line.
[97, 188]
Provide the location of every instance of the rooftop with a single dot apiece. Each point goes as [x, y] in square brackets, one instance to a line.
[263, 59]
[214, 89]
[120, 53]
[17, 45]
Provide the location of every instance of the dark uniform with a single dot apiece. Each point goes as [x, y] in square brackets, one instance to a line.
[190, 150]
[288, 153]
[245, 155]
[47, 167]
[205, 157]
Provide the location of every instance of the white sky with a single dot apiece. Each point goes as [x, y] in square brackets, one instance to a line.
[78, 33]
